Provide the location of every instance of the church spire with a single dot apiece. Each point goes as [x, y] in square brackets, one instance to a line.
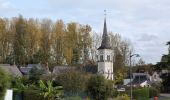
[105, 38]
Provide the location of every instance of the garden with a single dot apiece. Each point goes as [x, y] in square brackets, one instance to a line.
[71, 85]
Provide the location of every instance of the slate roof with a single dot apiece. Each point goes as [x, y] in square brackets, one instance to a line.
[26, 69]
[11, 69]
[139, 79]
[105, 38]
[62, 69]
[93, 69]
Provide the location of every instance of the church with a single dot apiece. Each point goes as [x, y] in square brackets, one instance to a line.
[105, 55]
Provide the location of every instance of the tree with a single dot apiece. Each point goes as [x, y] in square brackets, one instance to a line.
[5, 39]
[118, 78]
[96, 42]
[73, 82]
[85, 41]
[4, 83]
[99, 88]
[32, 37]
[45, 39]
[19, 43]
[121, 48]
[58, 41]
[164, 64]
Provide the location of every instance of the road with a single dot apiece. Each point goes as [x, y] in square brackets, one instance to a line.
[163, 97]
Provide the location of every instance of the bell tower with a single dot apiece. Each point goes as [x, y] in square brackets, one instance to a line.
[105, 55]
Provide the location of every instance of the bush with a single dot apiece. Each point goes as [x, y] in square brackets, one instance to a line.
[4, 83]
[99, 88]
[34, 95]
[114, 93]
[27, 94]
[153, 92]
[50, 92]
[72, 98]
[73, 82]
[123, 97]
[141, 94]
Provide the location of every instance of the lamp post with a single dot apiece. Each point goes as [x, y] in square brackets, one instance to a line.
[131, 55]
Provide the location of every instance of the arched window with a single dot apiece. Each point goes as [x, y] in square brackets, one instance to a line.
[101, 58]
[97, 58]
[108, 57]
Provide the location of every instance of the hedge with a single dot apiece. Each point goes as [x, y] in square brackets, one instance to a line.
[141, 94]
[27, 94]
[144, 93]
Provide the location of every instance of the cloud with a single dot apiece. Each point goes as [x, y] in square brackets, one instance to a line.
[147, 37]
[6, 6]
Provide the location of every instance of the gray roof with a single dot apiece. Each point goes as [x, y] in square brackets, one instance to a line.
[62, 69]
[26, 69]
[105, 38]
[139, 79]
[11, 69]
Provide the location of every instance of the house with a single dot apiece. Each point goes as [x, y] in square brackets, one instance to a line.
[140, 79]
[11, 70]
[155, 77]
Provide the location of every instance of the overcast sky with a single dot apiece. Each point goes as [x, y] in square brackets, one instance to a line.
[145, 22]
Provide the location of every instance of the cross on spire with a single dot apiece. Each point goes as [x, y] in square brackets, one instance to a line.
[105, 38]
[105, 13]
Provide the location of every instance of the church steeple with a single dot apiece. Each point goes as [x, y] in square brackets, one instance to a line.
[105, 55]
[105, 38]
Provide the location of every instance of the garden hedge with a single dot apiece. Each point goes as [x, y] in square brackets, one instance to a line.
[4, 83]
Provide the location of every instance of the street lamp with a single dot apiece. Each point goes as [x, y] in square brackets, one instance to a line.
[131, 55]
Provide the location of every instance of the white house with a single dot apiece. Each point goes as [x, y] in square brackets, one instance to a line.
[140, 79]
[155, 77]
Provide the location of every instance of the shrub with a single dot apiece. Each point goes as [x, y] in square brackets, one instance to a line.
[72, 98]
[73, 82]
[123, 97]
[48, 91]
[114, 93]
[99, 88]
[141, 94]
[153, 92]
[4, 83]
[33, 94]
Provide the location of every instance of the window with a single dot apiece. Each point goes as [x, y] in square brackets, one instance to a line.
[101, 58]
[97, 57]
[108, 57]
